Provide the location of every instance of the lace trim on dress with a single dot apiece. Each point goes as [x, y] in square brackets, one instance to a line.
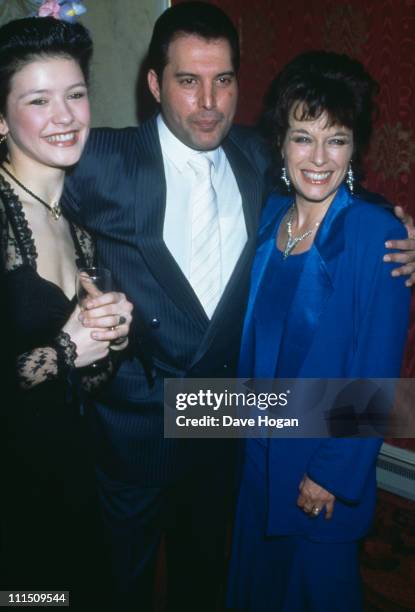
[85, 253]
[18, 242]
[65, 352]
[11, 254]
[46, 362]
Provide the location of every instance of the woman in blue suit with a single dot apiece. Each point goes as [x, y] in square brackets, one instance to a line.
[322, 305]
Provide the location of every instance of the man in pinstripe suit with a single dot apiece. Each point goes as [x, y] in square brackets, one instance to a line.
[133, 190]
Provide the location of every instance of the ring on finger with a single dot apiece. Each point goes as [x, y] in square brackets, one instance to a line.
[315, 510]
[121, 321]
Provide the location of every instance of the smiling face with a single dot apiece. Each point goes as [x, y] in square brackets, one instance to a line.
[316, 156]
[198, 91]
[47, 114]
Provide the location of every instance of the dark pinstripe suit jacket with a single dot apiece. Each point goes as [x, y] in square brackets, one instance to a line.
[118, 192]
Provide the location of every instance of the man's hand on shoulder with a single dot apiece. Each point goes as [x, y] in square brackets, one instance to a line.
[406, 248]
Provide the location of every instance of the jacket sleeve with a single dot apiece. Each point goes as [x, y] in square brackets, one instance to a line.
[381, 312]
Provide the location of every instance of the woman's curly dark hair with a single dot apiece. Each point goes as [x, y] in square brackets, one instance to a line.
[316, 82]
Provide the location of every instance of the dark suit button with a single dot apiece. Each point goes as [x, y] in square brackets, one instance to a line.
[155, 323]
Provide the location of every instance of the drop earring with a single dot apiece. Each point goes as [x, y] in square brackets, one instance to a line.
[284, 177]
[350, 178]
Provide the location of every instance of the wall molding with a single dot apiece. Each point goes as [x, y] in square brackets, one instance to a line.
[396, 471]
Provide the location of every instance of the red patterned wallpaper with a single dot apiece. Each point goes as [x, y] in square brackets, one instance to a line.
[380, 34]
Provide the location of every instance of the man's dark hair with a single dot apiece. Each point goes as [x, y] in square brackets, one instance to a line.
[316, 82]
[190, 18]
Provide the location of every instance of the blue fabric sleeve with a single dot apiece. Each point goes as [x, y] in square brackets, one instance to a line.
[382, 310]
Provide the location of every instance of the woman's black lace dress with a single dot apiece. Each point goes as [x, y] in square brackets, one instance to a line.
[48, 518]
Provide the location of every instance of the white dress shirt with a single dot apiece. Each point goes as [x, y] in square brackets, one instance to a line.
[178, 217]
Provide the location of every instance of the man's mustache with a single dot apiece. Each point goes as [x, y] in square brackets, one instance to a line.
[208, 116]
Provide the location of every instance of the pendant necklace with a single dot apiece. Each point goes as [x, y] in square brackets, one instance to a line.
[292, 242]
[55, 210]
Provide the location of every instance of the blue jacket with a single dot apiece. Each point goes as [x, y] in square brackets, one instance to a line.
[348, 318]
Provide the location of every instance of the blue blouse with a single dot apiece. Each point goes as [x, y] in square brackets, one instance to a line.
[273, 303]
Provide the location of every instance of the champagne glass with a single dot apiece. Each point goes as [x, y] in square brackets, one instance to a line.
[90, 283]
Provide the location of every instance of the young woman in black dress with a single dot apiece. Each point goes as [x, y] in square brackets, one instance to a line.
[49, 342]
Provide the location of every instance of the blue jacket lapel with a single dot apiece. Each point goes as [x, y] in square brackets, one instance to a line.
[270, 220]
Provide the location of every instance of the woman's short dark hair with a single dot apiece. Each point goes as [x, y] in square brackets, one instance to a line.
[25, 40]
[197, 18]
[316, 82]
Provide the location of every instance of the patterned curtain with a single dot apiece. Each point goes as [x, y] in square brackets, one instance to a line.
[381, 35]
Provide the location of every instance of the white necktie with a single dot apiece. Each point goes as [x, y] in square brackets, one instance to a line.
[205, 263]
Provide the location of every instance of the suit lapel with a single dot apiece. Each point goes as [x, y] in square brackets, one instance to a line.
[150, 211]
[251, 189]
[251, 193]
[250, 185]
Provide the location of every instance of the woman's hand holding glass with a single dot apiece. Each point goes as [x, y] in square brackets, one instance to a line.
[107, 312]
[88, 349]
[109, 316]
[102, 318]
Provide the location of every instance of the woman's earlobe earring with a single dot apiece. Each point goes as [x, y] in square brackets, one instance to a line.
[350, 178]
[3, 139]
[284, 177]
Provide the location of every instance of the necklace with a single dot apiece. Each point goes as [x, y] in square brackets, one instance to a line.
[55, 209]
[292, 242]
